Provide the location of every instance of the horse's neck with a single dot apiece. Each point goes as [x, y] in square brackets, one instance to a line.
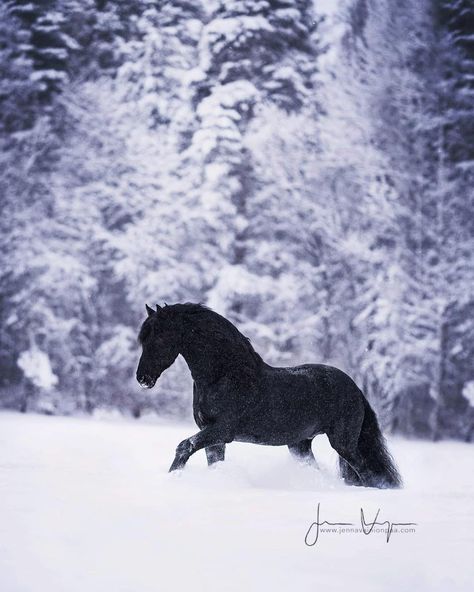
[208, 363]
[204, 363]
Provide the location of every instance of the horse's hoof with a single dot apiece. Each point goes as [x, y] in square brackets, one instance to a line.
[178, 464]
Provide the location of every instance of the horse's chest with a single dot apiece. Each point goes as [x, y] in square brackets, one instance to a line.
[200, 417]
[205, 409]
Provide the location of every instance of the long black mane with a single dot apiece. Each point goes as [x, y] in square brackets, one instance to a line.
[218, 332]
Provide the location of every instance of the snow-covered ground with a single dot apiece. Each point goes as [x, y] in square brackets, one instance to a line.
[88, 505]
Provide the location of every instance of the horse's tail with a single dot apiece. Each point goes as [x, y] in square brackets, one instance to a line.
[373, 448]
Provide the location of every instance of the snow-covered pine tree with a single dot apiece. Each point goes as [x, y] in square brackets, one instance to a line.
[47, 44]
[251, 55]
[44, 305]
[452, 205]
[397, 364]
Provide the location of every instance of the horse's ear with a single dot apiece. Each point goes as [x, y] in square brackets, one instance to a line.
[149, 310]
[158, 308]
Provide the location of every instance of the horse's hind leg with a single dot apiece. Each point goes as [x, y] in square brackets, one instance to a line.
[344, 440]
[351, 463]
[303, 453]
[347, 473]
[215, 453]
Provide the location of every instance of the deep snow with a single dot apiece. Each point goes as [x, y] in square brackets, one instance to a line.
[88, 505]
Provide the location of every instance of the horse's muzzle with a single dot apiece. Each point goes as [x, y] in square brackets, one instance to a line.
[147, 381]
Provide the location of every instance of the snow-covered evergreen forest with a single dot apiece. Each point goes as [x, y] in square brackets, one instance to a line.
[305, 168]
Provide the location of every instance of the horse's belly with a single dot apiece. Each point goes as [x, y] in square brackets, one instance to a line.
[264, 440]
[278, 436]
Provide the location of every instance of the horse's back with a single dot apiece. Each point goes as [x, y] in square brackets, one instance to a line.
[317, 378]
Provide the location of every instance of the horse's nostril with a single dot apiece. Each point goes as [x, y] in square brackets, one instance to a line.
[145, 380]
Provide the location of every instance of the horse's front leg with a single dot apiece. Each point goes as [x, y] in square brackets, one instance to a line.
[215, 453]
[212, 435]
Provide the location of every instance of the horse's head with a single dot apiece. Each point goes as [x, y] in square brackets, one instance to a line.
[160, 339]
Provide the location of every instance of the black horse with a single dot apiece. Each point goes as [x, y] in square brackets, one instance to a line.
[237, 396]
